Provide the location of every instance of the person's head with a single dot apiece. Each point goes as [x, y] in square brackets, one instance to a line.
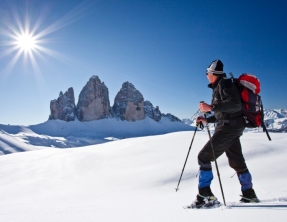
[214, 71]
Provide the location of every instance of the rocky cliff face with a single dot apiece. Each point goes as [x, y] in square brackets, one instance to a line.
[129, 103]
[151, 112]
[64, 107]
[171, 117]
[94, 104]
[93, 101]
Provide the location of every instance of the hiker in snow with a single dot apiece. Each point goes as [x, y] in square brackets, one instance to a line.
[226, 106]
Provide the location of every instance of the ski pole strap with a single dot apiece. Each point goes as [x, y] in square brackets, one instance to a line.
[201, 125]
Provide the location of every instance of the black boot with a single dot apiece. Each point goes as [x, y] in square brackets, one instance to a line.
[249, 196]
[204, 199]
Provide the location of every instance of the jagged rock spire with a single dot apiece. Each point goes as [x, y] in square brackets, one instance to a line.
[94, 104]
[129, 103]
[93, 101]
[64, 107]
[152, 112]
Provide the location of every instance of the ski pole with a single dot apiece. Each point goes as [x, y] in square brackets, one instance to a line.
[207, 127]
[176, 189]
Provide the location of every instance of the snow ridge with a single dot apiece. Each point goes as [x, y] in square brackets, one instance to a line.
[62, 134]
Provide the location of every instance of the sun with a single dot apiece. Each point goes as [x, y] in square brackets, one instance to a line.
[25, 35]
[26, 42]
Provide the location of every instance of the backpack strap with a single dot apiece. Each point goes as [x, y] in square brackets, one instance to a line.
[266, 131]
[262, 122]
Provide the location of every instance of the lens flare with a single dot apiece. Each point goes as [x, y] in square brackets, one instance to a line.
[25, 36]
[26, 42]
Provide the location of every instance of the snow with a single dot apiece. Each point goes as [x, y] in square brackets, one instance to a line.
[62, 134]
[133, 179]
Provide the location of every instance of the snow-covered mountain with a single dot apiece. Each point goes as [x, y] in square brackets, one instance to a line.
[275, 113]
[63, 134]
[275, 120]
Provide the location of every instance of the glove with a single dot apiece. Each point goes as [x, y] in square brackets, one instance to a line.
[199, 121]
[204, 107]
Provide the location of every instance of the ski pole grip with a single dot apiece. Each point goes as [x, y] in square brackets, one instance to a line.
[208, 112]
[203, 112]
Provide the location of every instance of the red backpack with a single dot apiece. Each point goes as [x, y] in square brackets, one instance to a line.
[252, 107]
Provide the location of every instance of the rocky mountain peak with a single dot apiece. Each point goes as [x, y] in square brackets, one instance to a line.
[64, 107]
[129, 103]
[152, 112]
[93, 103]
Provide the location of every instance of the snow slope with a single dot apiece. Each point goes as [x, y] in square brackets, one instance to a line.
[11, 144]
[61, 134]
[134, 180]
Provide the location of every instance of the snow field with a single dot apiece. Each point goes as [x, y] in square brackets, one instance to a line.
[135, 179]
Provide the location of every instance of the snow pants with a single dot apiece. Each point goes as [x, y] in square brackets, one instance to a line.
[224, 140]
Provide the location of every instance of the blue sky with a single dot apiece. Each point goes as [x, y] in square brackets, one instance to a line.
[163, 47]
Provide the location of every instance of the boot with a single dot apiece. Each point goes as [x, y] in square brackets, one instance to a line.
[204, 199]
[249, 196]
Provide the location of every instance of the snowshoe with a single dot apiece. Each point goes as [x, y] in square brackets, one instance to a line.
[205, 199]
[205, 202]
[249, 196]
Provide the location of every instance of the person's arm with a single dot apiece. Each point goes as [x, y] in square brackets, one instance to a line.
[230, 98]
[204, 107]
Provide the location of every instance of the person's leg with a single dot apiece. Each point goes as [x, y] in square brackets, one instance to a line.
[221, 141]
[245, 180]
[205, 178]
[235, 157]
[237, 162]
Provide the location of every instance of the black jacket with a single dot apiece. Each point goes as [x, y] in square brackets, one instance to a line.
[226, 100]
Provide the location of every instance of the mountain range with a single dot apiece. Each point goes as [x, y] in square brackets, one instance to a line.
[94, 104]
[93, 120]
[275, 120]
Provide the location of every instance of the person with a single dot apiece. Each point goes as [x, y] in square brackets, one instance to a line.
[226, 106]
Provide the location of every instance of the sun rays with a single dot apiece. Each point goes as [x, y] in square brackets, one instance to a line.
[25, 37]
